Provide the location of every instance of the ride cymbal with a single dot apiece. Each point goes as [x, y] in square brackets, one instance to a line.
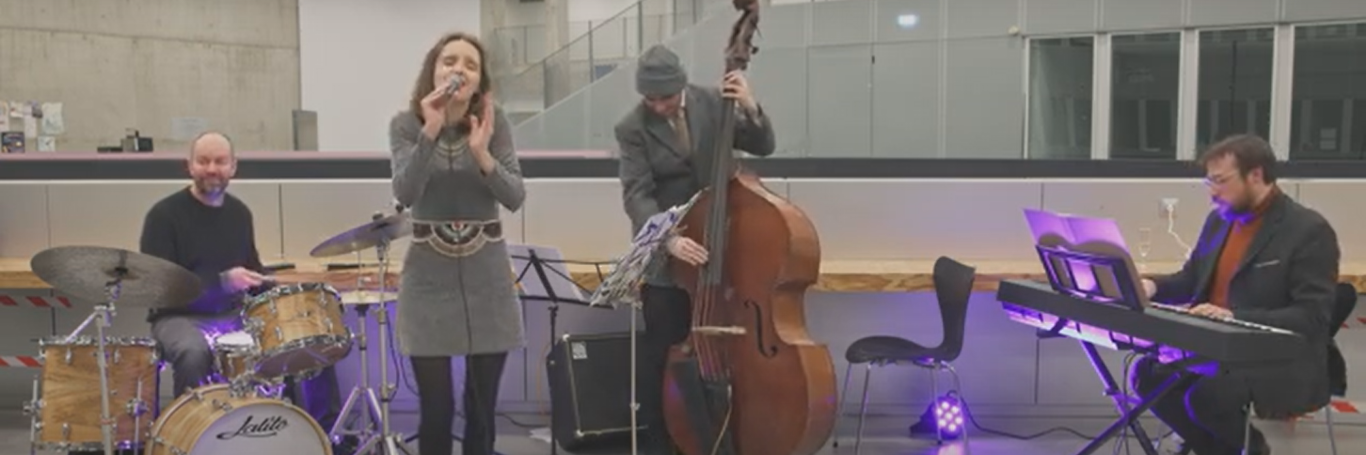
[146, 281]
[366, 236]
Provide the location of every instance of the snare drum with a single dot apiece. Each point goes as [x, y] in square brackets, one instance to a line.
[213, 420]
[68, 410]
[298, 329]
[234, 356]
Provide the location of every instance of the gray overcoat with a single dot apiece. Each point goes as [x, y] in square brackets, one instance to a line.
[656, 175]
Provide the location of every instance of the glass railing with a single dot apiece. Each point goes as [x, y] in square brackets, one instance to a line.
[606, 45]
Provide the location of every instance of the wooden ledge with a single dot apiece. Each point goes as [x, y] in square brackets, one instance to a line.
[836, 275]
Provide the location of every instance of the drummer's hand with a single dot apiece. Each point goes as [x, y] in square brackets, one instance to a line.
[239, 278]
[686, 249]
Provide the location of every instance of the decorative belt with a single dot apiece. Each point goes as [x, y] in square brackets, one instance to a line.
[457, 238]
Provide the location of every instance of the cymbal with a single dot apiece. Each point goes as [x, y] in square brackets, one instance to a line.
[147, 281]
[366, 236]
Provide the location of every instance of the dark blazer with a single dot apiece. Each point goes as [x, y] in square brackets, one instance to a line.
[1287, 279]
[656, 175]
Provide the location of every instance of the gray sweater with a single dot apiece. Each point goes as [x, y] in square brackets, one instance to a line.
[459, 192]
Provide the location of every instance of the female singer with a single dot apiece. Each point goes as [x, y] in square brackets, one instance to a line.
[453, 164]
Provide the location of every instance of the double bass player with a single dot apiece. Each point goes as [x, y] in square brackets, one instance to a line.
[666, 144]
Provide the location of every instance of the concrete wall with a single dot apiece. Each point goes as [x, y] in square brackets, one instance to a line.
[143, 63]
[241, 66]
[1002, 365]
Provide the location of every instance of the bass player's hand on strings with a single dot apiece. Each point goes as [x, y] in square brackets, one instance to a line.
[686, 249]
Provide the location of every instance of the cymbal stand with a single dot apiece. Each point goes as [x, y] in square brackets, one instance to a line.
[363, 391]
[112, 289]
[392, 442]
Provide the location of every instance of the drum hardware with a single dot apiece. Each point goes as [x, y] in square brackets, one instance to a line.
[105, 275]
[377, 234]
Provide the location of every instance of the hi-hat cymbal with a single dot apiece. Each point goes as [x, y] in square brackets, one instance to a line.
[368, 235]
[146, 281]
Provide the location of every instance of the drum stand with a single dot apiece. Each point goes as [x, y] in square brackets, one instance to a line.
[388, 442]
[104, 311]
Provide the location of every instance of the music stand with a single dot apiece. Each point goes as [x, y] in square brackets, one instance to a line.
[628, 274]
[1087, 258]
[549, 281]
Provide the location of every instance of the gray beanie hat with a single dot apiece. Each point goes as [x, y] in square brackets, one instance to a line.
[659, 73]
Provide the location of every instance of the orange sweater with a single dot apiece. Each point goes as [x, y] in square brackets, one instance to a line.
[1235, 246]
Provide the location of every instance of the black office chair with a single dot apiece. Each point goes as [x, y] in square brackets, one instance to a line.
[953, 287]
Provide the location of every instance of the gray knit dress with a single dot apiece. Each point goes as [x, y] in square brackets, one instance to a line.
[456, 296]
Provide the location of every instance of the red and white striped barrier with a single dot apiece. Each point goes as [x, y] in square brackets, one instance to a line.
[35, 301]
[20, 361]
[1338, 406]
[1355, 322]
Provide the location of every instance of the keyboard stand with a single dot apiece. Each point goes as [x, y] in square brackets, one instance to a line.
[1060, 267]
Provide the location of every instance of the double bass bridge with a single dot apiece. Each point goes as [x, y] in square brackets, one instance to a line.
[718, 330]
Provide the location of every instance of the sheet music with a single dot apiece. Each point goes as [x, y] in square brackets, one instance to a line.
[1083, 234]
[623, 284]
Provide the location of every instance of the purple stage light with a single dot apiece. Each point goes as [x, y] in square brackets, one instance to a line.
[945, 419]
[948, 415]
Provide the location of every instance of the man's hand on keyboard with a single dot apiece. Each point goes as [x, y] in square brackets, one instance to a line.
[1211, 311]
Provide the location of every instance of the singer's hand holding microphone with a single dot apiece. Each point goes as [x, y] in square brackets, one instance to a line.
[435, 104]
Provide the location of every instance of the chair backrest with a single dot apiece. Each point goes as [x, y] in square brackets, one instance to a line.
[1343, 306]
[953, 287]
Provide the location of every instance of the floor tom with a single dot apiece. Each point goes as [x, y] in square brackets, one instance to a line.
[68, 409]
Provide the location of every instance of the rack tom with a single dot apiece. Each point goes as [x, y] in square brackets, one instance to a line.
[298, 329]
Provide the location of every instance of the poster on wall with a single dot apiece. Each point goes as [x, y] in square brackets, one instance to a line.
[4, 116]
[52, 119]
[11, 142]
[47, 144]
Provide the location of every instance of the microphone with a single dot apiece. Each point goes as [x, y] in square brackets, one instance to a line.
[455, 84]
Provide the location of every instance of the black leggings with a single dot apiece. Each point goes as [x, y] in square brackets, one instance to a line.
[436, 403]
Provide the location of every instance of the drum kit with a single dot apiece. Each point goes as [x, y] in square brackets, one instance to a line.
[292, 330]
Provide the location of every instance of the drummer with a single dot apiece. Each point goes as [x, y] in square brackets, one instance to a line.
[209, 232]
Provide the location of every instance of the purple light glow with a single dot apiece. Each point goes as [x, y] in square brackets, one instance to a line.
[213, 329]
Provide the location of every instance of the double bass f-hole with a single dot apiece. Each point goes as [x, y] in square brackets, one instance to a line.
[765, 349]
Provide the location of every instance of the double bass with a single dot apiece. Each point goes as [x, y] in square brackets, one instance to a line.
[748, 379]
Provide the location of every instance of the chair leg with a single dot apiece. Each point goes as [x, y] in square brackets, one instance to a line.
[844, 397]
[934, 405]
[967, 420]
[1332, 441]
[863, 409]
[1247, 429]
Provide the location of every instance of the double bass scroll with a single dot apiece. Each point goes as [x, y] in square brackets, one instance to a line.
[748, 379]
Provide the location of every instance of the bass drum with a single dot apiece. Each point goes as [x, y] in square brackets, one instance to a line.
[212, 420]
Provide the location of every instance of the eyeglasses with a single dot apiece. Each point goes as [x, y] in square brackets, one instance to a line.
[1219, 179]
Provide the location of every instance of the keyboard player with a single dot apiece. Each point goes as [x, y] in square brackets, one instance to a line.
[1262, 258]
